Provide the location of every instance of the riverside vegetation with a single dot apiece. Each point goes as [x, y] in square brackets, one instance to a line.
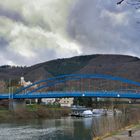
[34, 112]
[129, 119]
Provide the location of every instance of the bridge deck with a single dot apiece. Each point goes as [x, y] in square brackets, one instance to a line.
[101, 94]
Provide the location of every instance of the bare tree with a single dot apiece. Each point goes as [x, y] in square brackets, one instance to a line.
[119, 2]
[135, 3]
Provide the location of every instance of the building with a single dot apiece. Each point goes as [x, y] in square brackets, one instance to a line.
[66, 102]
[48, 100]
[24, 83]
[2, 86]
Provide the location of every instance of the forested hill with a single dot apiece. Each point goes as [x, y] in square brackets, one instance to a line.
[117, 65]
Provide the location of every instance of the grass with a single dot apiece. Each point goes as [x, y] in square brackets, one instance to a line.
[34, 112]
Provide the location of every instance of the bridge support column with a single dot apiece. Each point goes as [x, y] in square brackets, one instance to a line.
[15, 104]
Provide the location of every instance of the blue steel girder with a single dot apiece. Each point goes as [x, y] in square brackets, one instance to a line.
[64, 78]
[97, 94]
[52, 84]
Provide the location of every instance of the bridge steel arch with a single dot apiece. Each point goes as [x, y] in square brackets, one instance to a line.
[63, 78]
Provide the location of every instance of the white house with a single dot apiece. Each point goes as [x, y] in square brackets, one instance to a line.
[66, 102]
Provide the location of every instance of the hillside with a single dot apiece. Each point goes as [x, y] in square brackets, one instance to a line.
[118, 65]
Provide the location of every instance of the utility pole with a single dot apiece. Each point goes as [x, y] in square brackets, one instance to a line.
[9, 87]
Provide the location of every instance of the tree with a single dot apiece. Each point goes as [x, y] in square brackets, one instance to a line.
[119, 2]
[135, 3]
[83, 101]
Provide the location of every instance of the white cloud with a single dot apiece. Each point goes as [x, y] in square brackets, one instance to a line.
[33, 31]
[104, 27]
[115, 18]
[41, 36]
[31, 43]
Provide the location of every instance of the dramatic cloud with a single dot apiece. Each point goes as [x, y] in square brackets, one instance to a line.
[35, 31]
[11, 14]
[104, 27]
[40, 30]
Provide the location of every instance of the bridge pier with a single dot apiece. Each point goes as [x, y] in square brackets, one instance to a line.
[15, 104]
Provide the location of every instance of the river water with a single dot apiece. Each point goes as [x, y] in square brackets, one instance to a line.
[67, 128]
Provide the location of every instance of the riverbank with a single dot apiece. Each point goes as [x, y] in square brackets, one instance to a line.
[123, 134]
[34, 112]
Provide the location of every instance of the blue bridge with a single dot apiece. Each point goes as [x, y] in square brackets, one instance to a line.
[78, 85]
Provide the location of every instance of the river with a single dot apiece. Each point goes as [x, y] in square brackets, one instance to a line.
[67, 128]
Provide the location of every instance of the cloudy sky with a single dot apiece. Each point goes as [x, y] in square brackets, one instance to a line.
[33, 31]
